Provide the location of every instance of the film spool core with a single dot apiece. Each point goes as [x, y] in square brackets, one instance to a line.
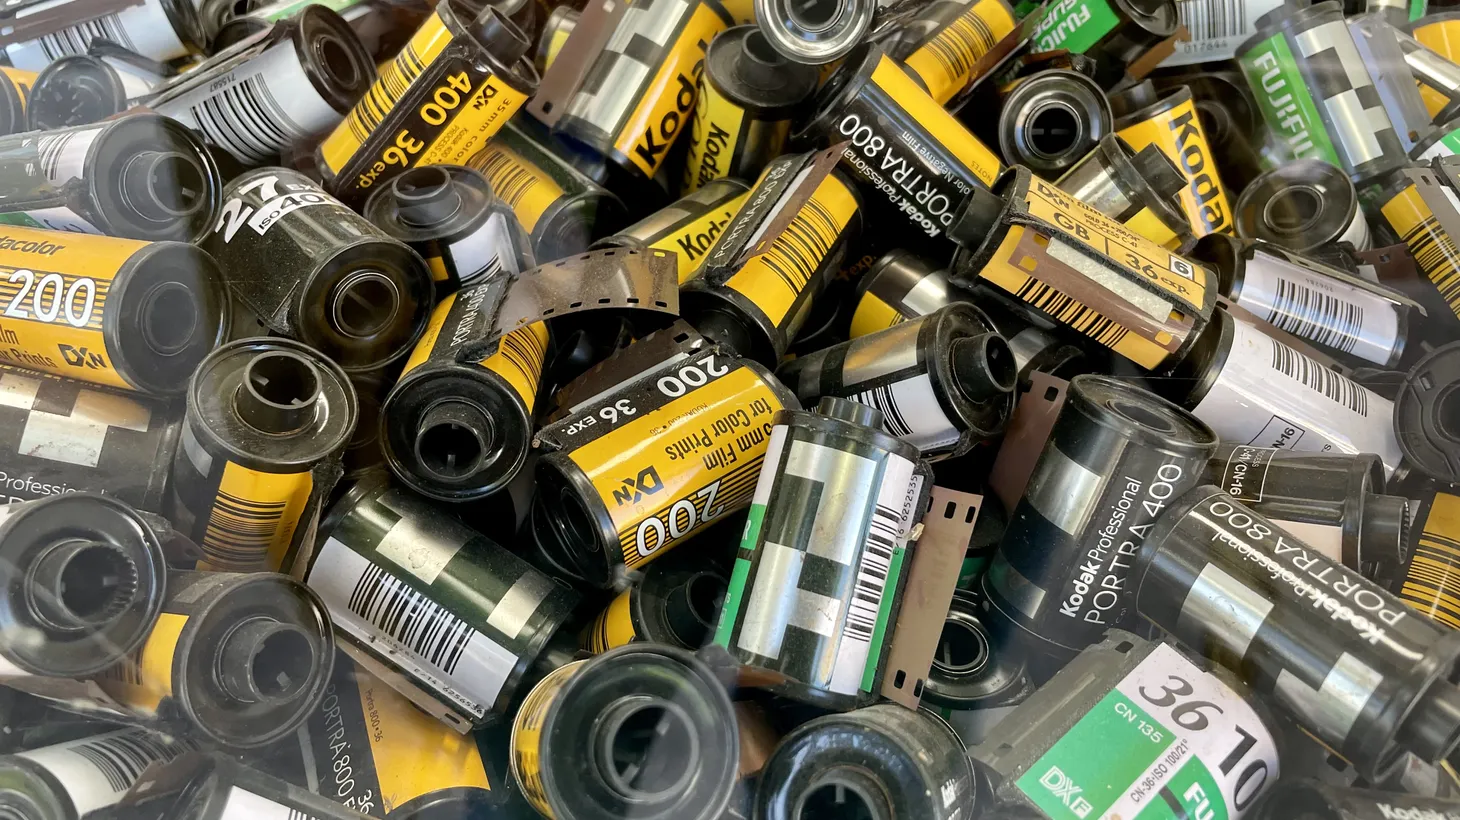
[334, 59]
[81, 583]
[163, 185]
[843, 795]
[1294, 210]
[983, 366]
[278, 392]
[364, 303]
[1054, 129]
[647, 749]
[962, 650]
[813, 15]
[454, 440]
[425, 196]
[692, 608]
[500, 36]
[264, 661]
[169, 317]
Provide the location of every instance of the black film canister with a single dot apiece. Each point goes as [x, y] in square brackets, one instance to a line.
[969, 671]
[1302, 206]
[675, 602]
[84, 88]
[1427, 415]
[1050, 119]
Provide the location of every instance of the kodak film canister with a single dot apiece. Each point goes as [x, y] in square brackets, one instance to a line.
[675, 602]
[1437, 76]
[881, 761]
[899, 286]
[1408, 212]
[1137, 189]
[1116, 457]
[87, 573]
[1431, 584]
[1334, 503]
[221, 788]
[1063, 743]
[1112, 32]
[242, 659]
[943, 382]
[85, 88]
[872, 102]
[1303, 206]
[561, 209]
[643, 730]
[1170, 122]
[1314, 800]
[143, 176]
[159, 30]
[595, 522]
[968, 671]
[1050, 119]
[1309, 299]
[639, 94]
[449, 215]
[1231, 584]
[1032, 241]
[945, 40]
[69, 780]
[15, 88]
[688, 227]
[833, 486]
[816, 33]
[263, 414]
[458, 423]
[1427, 415]
[462, 75]
[749, 93]
[116, 312]
[62, 436]
[312, 269]
[482, 616]
[291, 89]
[555, 31]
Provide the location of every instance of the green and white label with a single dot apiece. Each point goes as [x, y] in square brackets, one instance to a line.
[1446, 146]
[1286, 105]
[1075, 25]
[1169, 741]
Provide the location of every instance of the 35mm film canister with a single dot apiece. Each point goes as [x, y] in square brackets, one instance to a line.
[480, 618]
[1113, 32]
[688, 227]
[241, 659]
[291, 89]
[143, 176]
[1407, 206]
[266, 422]
[817, 582]
[70, 780]
[942, 382]
[899, 286]
[15, 88]
[968, 671]
[881, 761]
[749, 94]
[1425, 414]
[593, 521]
[1334, 503]
[1170, 122]
[1312, 800]
[644, 731]
[1050, 119]
[1138, 190]
[449, 215]
[1431, 584]
[1434, 33]
[438, 102]
[555, 32]
[1365, 674]
[81, 89]
[1116, 457]
[63, 436]
[1069, 749]
[942, 43]
[675, 602]
[1438, 78]
[88, 573]
[1303, 205]
[159, 30]
[312, 269]
[117, 312]
[221, 788]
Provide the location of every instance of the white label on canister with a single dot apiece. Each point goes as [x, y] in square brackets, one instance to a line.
[1217, 28]
[911, 412]
[1254, 401]
[245, 805]
[144, 29]
[97, 771]
[485, 252]
[1320, 308]
[1323, 538]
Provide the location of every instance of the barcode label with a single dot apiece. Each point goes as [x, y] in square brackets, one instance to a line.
[1217, 28]
[122, 758]
[413, 633]
[959, 46]
[246, 121]
[240, 531]
[1315, 376]
[1436, 253]
[63, 156]
[1071, 313]
[1316, 316]
[872, 574]
[510, 180]
[796, 254]
[910, 411]
[392, 84]
[77, 39]
[245, 805]
[97, 771]
[1321, 308]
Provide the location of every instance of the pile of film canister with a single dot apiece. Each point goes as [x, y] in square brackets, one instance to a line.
[730, 410]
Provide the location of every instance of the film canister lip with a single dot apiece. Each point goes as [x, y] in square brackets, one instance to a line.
[1138, 189]
[675, 601]
[1302, 205]
[46, 783]
[1232, 585]
[1050, 119]
[86, 575]
[970, 671]
[641, 731]
[881, 762]
[1427, 415]
[817, 32]
[80, 89]
[15, 89]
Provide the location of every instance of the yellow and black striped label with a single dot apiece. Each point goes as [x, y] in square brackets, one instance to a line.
[1443, 38]
[1433, 584]
[22, 81]
[690, 242]
[519, 183]
[940, 124]
[253, 519]
[527, 735]
[945, 62]
[873, 314]
[519, 360]
[1433, 249]
[613, 627]
[144, 678]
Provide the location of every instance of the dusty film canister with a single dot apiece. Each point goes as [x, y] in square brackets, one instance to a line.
[1170, 122]
[819, 628]
[69, 780]
[1050, 119]
[1366, 675]
[688, 227]
[675, 602]
[159, 30]
[1113, 32]
[15, 88]
[642, 730]
[310, 268]
[449, 215]
[943, 42]
[970, 671]
[1117, 455]
[262, 415]
[481, 616]
[942, 382]
[85, 88]
[816, 33]
[1139, 190]
[1302, 205]
[88, 573]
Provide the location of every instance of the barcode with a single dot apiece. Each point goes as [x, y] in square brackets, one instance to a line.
[419, 623]
[1316, 377]
[383, 94]
[122, 758]
[1071, 313]
[1435, 252]
[51, 148]
[1212, 19]
[958, 47]
[882, 399]
[525, 350]
[77, 39]
[799, 250]
[1317, 316]
[240, 531]
[246, 121]
[872, 573]
[510, 181]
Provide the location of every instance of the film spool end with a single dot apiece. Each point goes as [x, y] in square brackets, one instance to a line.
[264, 661]
[761, 66]
[169, 317]
[976, 218]
[364, 304]
[164, 186]
[425, 196]
[1158, 169]
[983, 366]
[692, 608]
[453, 440]
[500, 35]
[1433, 728]
[844, 792]
[646, 748]
[849, 411]
[963, 649]
[278, 393]
[1133, 98]
[81, 584]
